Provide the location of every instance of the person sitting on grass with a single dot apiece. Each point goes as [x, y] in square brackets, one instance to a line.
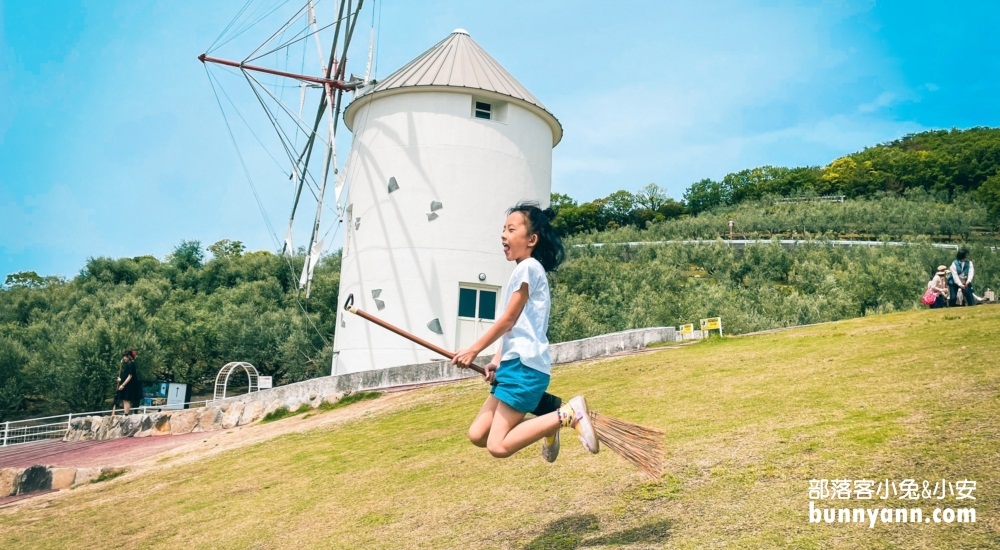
[939, 285]
[960, 276]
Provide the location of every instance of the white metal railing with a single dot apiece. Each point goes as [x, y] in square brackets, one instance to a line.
[15, 432]
[37, 429]
[824, 198]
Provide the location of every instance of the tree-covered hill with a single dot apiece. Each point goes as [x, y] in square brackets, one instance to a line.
[60, 340]
[198, 309]
[944, 165]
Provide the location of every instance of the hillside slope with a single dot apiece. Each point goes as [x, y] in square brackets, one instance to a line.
[749, 422]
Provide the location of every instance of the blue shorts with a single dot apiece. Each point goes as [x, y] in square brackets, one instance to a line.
[519, 386]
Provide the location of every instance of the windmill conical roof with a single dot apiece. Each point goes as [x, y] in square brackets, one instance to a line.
[456, 63]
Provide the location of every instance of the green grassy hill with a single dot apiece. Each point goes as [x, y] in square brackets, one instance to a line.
[749, 422]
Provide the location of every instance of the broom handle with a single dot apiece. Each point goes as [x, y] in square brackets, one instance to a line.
[349, 306]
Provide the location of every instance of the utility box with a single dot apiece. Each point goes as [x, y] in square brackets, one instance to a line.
[164, 395]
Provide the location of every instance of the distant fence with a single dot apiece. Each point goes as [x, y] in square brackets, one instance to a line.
[15, 432]
[34, 429]
[824, 198]
[787, 243]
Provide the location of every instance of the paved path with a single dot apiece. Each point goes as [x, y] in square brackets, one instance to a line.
[89, 454]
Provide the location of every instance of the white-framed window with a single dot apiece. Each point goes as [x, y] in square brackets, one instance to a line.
[483, 110]
[489, 109]
[475, 302]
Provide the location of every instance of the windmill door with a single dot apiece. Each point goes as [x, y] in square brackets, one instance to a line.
[477, 311]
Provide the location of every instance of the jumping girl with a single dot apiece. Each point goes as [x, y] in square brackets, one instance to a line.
[520, 370]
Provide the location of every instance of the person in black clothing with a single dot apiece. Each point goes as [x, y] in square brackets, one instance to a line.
[129, 390]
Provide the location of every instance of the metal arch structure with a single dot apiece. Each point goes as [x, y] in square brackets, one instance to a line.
[222, 379]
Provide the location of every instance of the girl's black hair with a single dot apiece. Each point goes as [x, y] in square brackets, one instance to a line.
[549, 251]
[962, 254]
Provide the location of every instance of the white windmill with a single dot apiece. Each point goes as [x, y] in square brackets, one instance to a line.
[441, 149]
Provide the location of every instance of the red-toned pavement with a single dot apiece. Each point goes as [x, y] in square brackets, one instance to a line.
[90, 454]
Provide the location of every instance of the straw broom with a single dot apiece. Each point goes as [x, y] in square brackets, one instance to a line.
[640, 445]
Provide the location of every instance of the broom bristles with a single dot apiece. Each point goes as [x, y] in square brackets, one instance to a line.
[640, 445]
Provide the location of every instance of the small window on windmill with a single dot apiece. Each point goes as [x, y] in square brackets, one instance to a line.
[489, 109]
[483, 110]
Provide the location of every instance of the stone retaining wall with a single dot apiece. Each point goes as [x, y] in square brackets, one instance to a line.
[223, 414]
[21, 481]
[608, 344]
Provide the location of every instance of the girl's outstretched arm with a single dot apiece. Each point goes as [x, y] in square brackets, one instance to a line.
[465, 357]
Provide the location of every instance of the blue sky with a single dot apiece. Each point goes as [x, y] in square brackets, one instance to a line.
[112, 142]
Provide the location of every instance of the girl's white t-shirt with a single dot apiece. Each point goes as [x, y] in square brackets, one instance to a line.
[527, 339]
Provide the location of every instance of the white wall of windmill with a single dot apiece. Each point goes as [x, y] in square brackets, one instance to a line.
[417, 255]
[410, 296]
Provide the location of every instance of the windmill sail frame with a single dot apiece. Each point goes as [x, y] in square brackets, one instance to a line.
[330, 107]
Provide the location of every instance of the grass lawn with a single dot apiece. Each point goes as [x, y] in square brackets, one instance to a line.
[749, 422]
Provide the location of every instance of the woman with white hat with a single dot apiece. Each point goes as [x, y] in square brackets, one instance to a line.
[939, 285]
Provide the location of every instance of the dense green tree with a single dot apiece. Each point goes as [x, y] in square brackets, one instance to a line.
[227, 248]
[989, 195]
[618, 210]
[13, 360]
[25, 279]
[652, 205]
[573, 219]
[705, 195]
[558, 201]
[651, 197]
[754, 183]
[187, 255]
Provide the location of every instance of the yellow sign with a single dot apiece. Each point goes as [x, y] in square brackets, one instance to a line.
[687, 329]
[712, 323]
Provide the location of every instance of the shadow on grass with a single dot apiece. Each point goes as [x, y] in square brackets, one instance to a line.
[571, 532]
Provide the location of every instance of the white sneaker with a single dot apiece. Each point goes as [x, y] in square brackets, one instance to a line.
[583, 425]
[550, 450]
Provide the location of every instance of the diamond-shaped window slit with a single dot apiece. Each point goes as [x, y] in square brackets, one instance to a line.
[393, 185]
[435, 326]
[435, 206]
[357, 223]
[431, 216]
